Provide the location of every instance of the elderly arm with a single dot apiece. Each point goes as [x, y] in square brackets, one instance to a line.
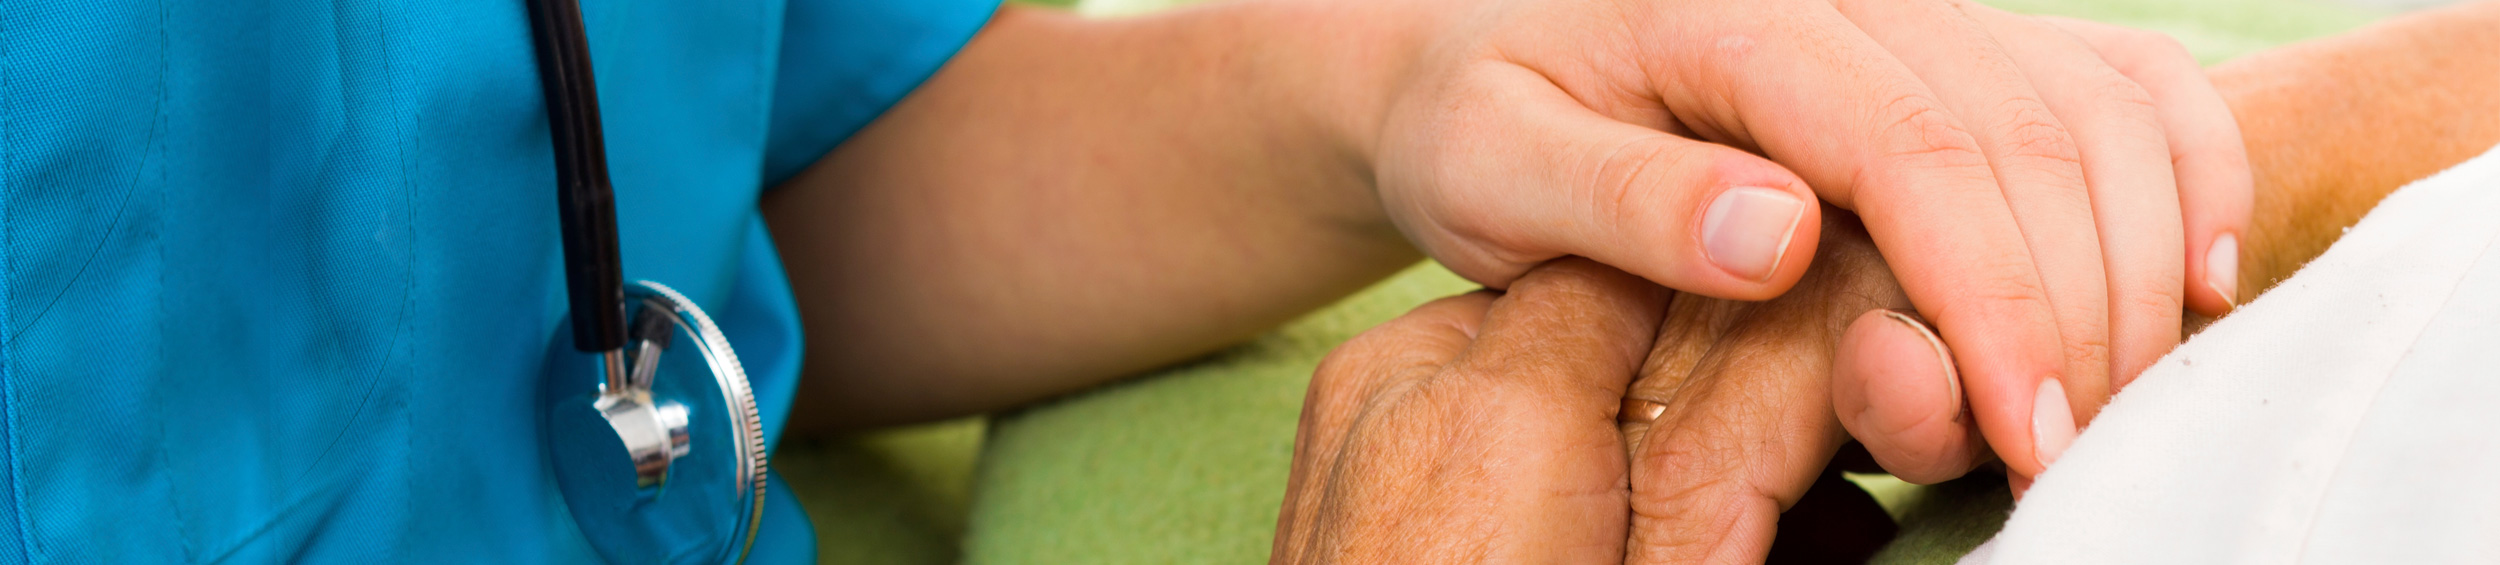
[1731, 418]
[2333, 125]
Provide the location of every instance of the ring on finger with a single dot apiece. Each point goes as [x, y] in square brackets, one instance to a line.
[1640, 411]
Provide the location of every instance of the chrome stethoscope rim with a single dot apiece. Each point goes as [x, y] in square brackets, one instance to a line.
[598, 420]
[738, 397]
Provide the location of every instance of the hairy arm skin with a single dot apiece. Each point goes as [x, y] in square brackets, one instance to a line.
[928, 286]
[2336, 124]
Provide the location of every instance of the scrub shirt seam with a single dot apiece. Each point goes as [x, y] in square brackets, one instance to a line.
[123, 210]
[182, 525]
[8, 270]
[408, 294]
[407, 298]
[399, 328]
[165, 468]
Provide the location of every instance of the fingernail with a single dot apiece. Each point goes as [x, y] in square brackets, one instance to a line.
[1952, 378]
[2052, 423]
[2222, 268]
[1746, 230]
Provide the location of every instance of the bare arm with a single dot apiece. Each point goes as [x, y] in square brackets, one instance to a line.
[2334, 125]
[1073, 200]
[1030, 220]
[1727, 423]
[2331, 126]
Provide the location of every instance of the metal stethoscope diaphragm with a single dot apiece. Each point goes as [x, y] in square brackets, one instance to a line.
[651, 429]
[662, 461]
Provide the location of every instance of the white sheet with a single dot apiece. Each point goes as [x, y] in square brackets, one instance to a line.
[2351, 415]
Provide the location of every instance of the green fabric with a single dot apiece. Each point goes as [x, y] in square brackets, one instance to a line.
[890, 497]
[1188, 465]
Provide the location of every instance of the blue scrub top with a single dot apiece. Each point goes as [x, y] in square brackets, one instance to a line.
[277, 279]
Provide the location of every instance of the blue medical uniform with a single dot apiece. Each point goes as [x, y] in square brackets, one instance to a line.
[277, 279]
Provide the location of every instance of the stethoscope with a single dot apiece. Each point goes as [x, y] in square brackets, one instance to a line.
[656, 463]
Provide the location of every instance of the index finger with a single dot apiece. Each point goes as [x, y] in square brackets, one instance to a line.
[1802, 84]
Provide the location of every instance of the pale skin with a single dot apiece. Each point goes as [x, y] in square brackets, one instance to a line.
[1736, 407]
[1072, 200]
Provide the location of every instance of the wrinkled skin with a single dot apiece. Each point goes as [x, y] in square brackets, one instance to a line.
[2049, 201]
[1725, 424]
[1458, 433]
[1416, 425]
[1742, 402]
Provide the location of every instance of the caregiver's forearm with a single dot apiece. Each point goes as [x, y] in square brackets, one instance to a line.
[1071, 200]
[2334, 125]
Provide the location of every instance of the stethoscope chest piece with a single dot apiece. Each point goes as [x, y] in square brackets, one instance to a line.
[659, 451]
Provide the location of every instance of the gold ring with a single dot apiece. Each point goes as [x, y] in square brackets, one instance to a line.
[1640, 411]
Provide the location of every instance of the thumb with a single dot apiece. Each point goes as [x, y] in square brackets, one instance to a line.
[1895, 390]
[1534, 175]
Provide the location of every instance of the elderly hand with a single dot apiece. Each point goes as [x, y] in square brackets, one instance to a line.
[1486, 426]
[1731, 419]
[1479, 427]
[2017, 172]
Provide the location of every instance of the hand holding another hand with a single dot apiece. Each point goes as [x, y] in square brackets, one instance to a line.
[1479, 427]
[2037, 186]
[2050, 193]
[1534, 423]
[1486, 426]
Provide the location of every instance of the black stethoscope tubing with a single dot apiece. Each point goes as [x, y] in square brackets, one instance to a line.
[594, 276]
[651, 427]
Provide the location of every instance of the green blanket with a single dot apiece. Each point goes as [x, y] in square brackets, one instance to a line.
[1187, 465]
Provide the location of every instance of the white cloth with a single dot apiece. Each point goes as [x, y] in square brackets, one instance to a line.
[2350, 415]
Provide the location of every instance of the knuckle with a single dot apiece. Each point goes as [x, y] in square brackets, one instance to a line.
[2032, 136]
[1621, 187]
[1567, 275]
[2121, 98]
[1920, 129]
[1918, 144]
[2153, 46]
[2087, 351]
[1691, 459]
[1924, 452]
[2083, 331]
[1679, 539]
[2139, 50]
[2006, 293]
[1398, 347]
[2040, 158]
[1343, 370]
[1508, 397]
[2157, 302]
[1573, 288]
[1928, 463]
[1690, 520]
[2151, 290]
[1341, 365]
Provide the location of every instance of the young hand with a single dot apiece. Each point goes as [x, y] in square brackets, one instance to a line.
[2050, 193]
